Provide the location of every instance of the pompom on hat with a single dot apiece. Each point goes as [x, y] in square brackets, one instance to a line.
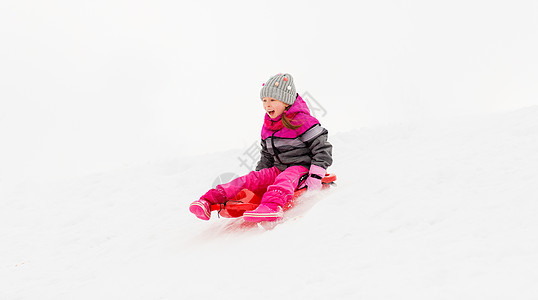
[280, 87]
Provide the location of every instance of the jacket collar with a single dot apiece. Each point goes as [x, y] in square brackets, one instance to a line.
[299, 106]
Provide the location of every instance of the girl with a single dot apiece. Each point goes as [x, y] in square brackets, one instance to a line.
[295, 154]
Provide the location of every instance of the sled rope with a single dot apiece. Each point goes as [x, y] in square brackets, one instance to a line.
[222, 206]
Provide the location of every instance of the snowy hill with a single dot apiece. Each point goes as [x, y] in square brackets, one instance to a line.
[431, 210]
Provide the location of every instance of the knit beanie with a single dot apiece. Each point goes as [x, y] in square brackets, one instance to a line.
[280, 87]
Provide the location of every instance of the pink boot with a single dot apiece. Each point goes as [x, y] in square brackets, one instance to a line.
[201, 208]
[264, 213]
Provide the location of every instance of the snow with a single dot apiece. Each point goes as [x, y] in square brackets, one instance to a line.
[435, 210]
[115, 115]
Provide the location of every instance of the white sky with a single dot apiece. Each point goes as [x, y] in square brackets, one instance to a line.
[87, 86]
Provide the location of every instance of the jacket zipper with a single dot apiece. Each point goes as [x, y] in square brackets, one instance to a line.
[274, 148]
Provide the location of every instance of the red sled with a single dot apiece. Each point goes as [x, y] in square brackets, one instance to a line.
[247, 200]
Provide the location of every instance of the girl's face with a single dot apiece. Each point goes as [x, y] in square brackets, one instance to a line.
[273, 107]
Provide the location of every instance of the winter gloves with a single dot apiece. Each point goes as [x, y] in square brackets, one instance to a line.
[313, 182]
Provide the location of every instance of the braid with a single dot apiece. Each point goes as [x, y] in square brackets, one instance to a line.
[287, 122]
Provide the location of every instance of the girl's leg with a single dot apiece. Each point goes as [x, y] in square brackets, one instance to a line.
[283, 187]
[256, 181]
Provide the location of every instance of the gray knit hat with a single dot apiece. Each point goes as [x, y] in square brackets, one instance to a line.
[280, 87]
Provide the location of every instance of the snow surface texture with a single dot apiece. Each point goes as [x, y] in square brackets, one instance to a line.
[435, 210]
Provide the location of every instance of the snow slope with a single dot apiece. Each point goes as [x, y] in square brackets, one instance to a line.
[434, 210]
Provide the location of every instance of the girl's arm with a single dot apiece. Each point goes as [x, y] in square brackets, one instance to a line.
[317, 140]
[321, 156]
[322, 151]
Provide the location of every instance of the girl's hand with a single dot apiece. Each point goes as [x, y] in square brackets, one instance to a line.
[313, 182]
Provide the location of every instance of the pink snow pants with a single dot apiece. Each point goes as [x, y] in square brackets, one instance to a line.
[278, 186]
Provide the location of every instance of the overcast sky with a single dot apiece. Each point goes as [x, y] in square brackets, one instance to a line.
[92, 85]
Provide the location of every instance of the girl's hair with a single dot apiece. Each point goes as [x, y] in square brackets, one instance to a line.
[287, 122]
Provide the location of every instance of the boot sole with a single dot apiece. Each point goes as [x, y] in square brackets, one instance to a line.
[199, 210]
